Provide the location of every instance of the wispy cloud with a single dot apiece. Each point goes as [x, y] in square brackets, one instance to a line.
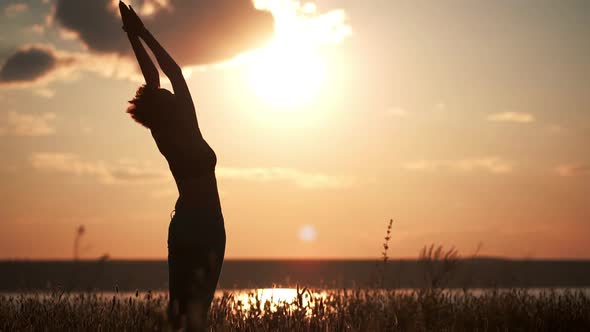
[44, 92]
[120, 172]
[397, 111]
[37, 29]
[516, 117]
[135, 172]
[15, 8]
[572, 169]
[556, 129]
[66, 163]
[29, 124]
[307, 180]
[163, 193]
[440, 106]
[492, 165]
[151, 7]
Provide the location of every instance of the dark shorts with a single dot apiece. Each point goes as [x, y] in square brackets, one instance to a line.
[196, 248]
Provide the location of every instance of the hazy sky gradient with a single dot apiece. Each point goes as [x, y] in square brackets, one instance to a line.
[466, 122]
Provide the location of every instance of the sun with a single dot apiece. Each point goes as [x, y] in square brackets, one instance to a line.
[286, 76]
[307, 233]
[290, 71]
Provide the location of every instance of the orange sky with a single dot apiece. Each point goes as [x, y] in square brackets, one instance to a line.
[465, 122]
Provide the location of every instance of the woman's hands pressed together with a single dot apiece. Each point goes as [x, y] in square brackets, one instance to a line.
[132, 24]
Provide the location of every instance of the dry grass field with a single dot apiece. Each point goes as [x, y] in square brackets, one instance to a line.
[307, 310]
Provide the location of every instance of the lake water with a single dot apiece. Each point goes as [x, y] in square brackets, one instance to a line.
[290, 294]
[270, 299]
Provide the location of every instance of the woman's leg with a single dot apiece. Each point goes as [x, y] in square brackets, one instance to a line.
[196, 250]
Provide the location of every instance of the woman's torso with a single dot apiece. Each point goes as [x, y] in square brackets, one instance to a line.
[192, 163]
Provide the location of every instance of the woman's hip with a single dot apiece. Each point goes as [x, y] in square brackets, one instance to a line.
[197, 231]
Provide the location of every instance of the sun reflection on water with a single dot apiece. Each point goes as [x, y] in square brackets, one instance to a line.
[270, 299]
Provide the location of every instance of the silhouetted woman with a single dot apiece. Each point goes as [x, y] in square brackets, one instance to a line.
[196, 235]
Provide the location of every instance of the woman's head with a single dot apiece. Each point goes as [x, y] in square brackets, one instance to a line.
[150, 106]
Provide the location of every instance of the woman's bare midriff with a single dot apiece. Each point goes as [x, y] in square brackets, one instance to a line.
[198, 193]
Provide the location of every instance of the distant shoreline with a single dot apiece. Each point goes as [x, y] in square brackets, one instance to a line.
[111, 259]
[131, 275]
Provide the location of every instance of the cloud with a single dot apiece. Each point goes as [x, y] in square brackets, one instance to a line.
[303, 22]
[45, 93]
[66, 163]
[163, 193]
[40, 64]
[28, 65]
[440, 107]
[492, 165]
[30, 125]
[195, 32]
[517, 117]
[572, 169]
[397, 111]
[109, 173]
[15, 8]
[135, 172]
[300, 32]
[32, 63]
[556, 129]
[37, 29]
[302, 179]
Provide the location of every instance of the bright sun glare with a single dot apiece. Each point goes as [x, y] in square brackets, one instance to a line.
[290, 71]
[286, 76]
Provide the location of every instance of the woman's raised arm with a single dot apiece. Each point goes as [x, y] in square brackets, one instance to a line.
[174, 73]
[148, 69]
[167, 64]
[170, 68]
